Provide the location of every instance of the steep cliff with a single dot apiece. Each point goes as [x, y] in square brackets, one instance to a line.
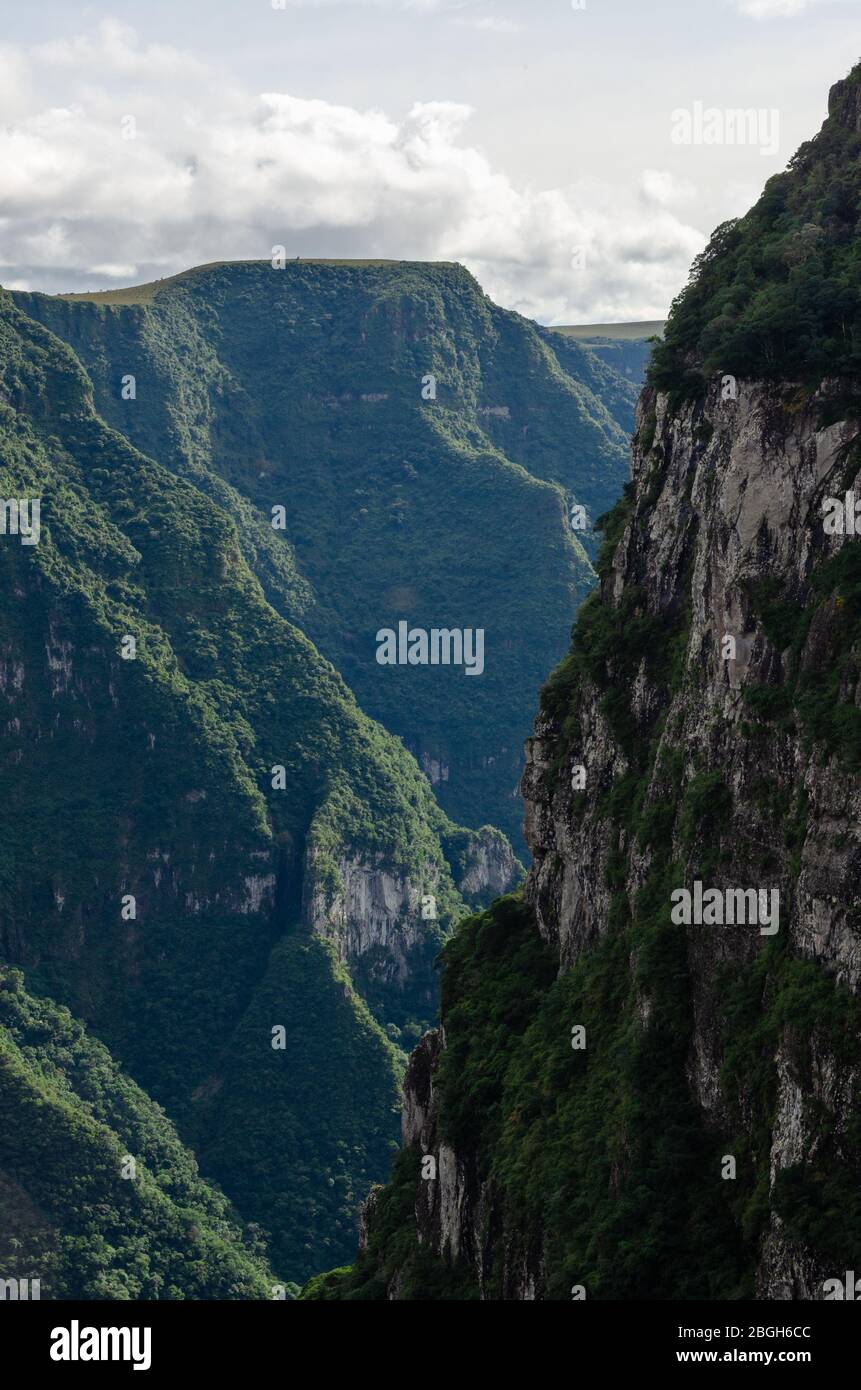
[622, 1100]
[426, 447]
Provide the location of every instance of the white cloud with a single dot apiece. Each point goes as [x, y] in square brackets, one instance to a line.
[216, 172]
[663, 188]
[740, 196]
[14, 84]
[489, 24]
[377, 4]
[114, 272]
[114, 47]
[773, 9]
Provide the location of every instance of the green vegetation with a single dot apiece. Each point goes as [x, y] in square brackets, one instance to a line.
[152, 778]
[145, 294]
[610, 332]
[600, 1158]
[622, 357]
[299, 1135]
[302, 387]
[70, 1120]
[707, 807]
[613, 370]
[821, 642]
[600, 1154]
[775, 998]
[394, 1253]
[777, 293]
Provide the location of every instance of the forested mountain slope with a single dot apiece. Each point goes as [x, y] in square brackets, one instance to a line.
[234, 878]
[306, 385]
[98, 1197]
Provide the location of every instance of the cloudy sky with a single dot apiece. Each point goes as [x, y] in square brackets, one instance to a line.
[539, 142]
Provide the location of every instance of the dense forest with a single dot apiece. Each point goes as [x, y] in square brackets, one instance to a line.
[307, 386]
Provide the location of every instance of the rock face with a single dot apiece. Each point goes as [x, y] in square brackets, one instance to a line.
[371, 912]
[844, 104]
[732, 514]
[372, 909]
[706, 728]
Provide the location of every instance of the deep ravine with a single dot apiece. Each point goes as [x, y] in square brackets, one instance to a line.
[620, 1102]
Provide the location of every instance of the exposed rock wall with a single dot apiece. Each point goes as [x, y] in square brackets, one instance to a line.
[382, 921]
[728, 502]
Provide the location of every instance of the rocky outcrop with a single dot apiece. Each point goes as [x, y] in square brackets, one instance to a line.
[844, 104]
[445, 1217]
[456, 1213]
[488, 866]
[379, 917]
[369, 907]
[731, 514]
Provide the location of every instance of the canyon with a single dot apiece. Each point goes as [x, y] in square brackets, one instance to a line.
[656, 763]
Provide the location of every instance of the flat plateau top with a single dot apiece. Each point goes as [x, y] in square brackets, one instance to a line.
[647, 328]
[143, 294]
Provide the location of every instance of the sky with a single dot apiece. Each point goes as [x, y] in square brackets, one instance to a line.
[574, 156]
